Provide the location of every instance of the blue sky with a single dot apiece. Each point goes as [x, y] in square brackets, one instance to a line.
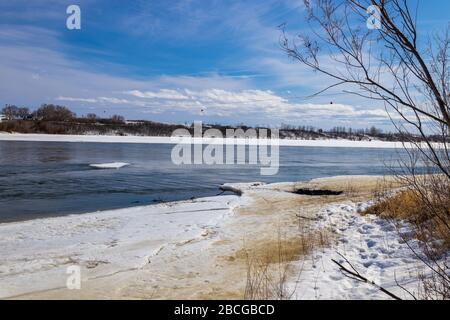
[174, 61]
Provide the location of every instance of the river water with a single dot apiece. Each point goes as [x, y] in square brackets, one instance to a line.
[39, 179]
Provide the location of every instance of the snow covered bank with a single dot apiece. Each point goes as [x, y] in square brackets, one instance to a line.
[194, 249]
[35, 254]
[373, 247]
[169, 140]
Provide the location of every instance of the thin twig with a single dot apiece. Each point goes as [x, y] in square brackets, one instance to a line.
[358, 277]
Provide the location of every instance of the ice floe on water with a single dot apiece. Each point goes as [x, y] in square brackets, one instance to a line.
[112, 165]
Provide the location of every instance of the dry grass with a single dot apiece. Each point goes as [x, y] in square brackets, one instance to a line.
[288, 249]
[404, 205]
[424, 202]
[430, 218]
[268, 264]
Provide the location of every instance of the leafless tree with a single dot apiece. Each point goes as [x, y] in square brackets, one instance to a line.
[10, 111]
[50, 112]
[23, 112]
[117, 119]
[92, 116]
[372, 48]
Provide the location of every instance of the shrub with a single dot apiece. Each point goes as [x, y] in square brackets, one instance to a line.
[50, 112]
[425, 204]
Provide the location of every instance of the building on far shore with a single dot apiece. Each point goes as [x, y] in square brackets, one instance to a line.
[3, 117]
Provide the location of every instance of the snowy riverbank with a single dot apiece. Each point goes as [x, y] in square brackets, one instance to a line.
[35, 254]
[371, 245]
[194, 249]
[169, 140]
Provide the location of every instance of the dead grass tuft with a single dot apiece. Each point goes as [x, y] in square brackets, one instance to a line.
[268, 264]
[404, 205]
[410, 206]
[286, 250]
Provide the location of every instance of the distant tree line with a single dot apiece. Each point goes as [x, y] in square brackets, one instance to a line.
[367, 134]
[55, 119]
[50, 112]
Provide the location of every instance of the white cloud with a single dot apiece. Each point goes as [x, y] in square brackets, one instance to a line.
[89, 100]
[243, 104]
[161, 94]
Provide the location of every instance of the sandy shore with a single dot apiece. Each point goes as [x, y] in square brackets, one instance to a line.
[195, 249]
[169, 140]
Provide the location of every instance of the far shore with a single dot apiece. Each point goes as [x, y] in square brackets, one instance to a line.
[187, 140]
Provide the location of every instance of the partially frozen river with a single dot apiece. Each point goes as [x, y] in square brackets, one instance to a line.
[40, 179]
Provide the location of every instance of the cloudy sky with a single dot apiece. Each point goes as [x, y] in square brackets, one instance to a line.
[174, 61]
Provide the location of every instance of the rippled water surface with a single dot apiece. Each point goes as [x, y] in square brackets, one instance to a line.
[54, 178]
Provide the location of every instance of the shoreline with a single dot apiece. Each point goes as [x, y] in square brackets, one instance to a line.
[103, 243]
[188, 140]
[197, 249]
